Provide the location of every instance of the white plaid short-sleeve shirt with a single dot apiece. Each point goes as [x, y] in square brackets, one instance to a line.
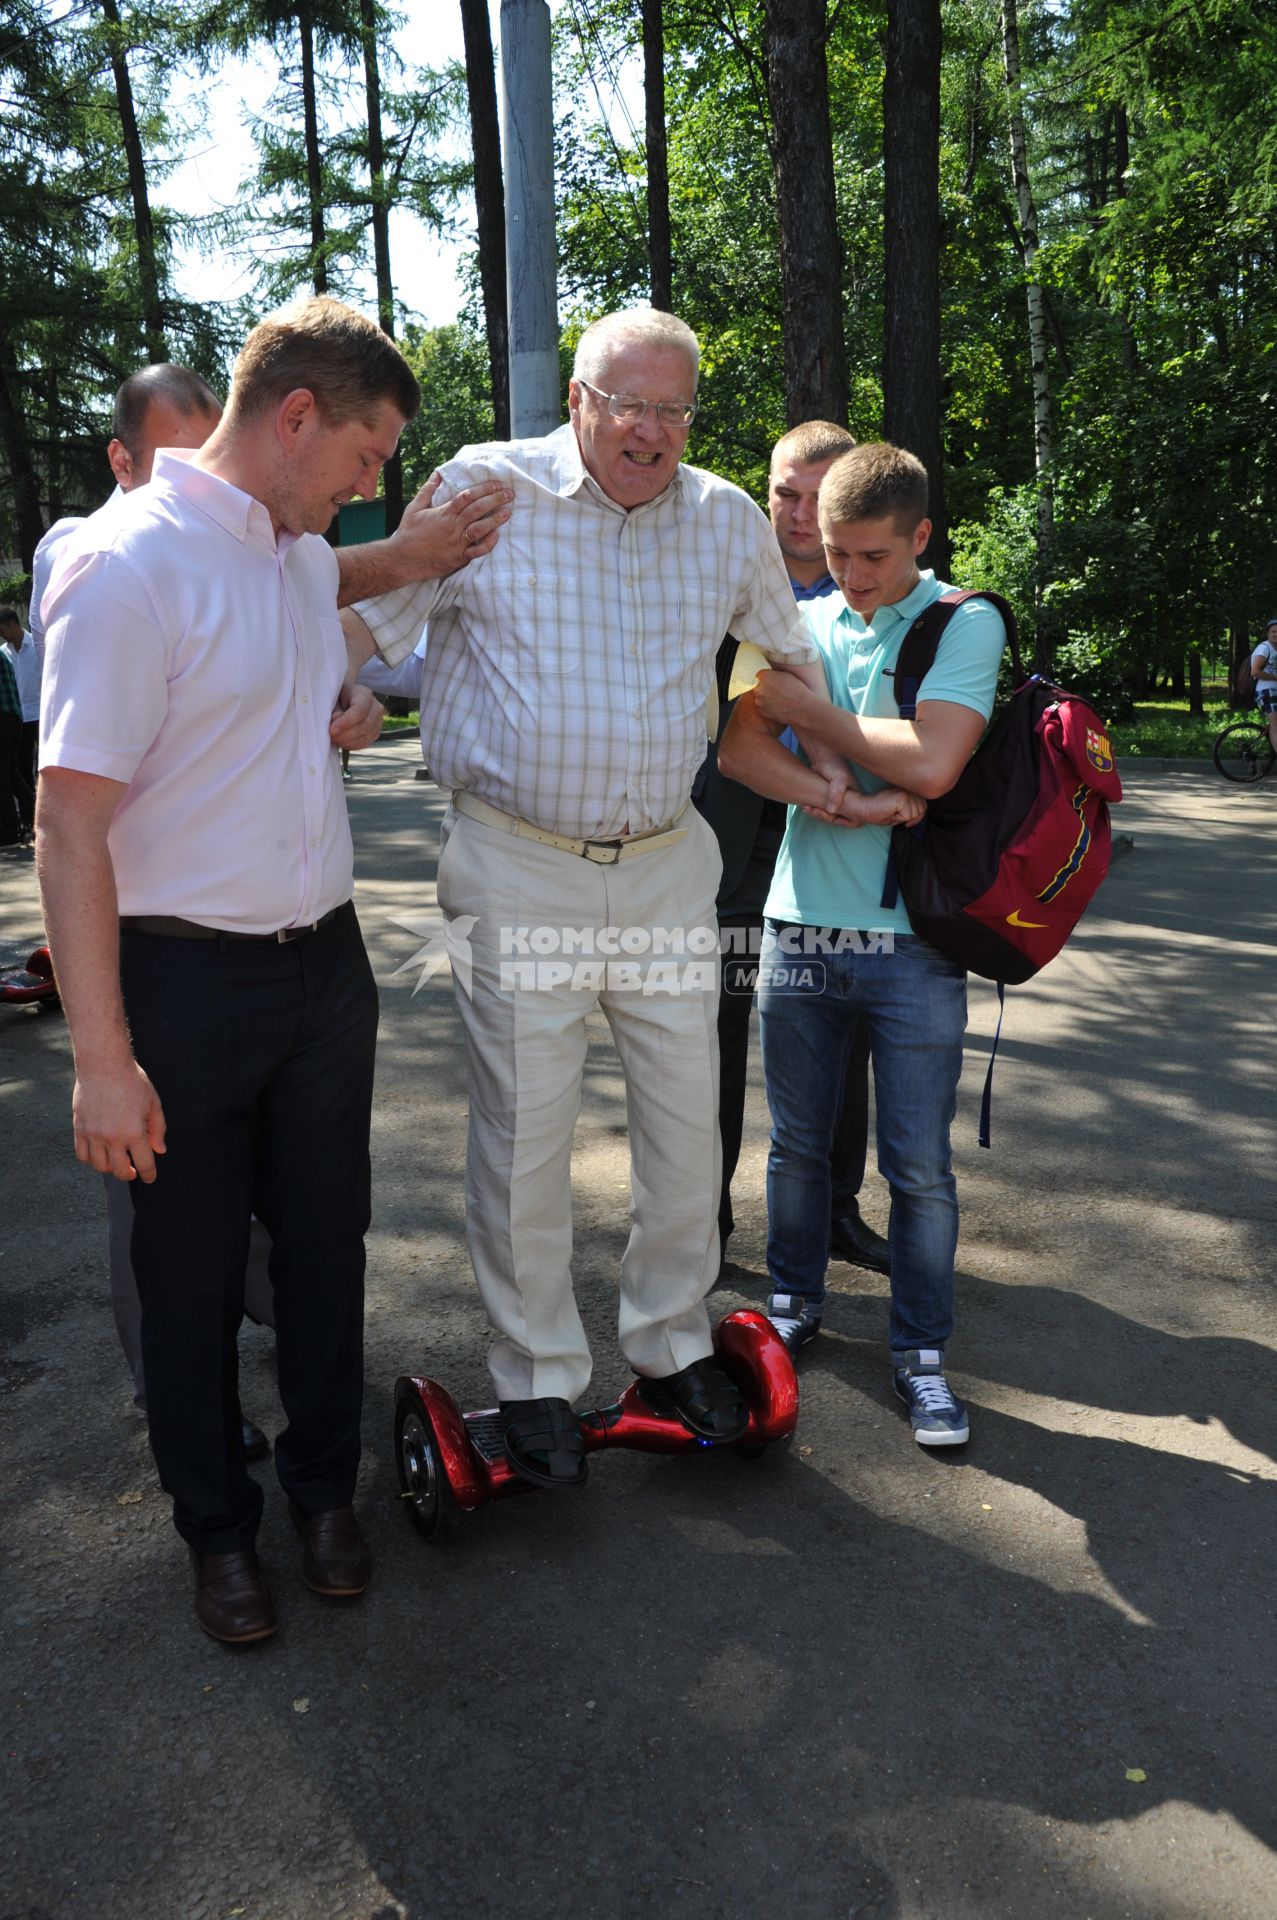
[568, 669]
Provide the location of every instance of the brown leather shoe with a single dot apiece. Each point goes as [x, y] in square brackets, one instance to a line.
[336, 1561]
[231, 1600]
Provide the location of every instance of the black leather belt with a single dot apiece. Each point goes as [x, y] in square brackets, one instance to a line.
[171, 928]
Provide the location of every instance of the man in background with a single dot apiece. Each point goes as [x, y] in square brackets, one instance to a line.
[25, 661]
[17, 799]
[749, 829]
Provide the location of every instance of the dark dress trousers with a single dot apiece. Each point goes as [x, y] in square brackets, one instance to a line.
[749, 830]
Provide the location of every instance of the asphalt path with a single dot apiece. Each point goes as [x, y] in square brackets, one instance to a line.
[848, 1680]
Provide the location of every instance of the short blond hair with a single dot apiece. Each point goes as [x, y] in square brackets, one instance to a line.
[872, 481]
[632, 327]
[341, 357]
[812, 441]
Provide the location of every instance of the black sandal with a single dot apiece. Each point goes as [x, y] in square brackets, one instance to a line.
[703, 1398]
[544, 1442]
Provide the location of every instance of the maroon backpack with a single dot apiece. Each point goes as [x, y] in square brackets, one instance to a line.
[999, 870]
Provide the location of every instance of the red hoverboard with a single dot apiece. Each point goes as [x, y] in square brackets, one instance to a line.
[451, 1462]
[30, 985]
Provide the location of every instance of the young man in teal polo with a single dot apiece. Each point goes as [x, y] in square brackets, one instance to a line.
[832, 953]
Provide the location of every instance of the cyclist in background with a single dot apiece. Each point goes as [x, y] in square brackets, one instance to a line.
[1263, 667]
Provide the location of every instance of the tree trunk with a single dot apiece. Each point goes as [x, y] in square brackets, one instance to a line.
[659, 251]
[1028, 238]
[15, 447]
[911, 385]
[1196, 705]
[392, 473]
[144, 228]
[1240, 648]
[489, 198]
[810, 248]
[314, 164]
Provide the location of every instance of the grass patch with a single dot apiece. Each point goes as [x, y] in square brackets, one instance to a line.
[1164, 729]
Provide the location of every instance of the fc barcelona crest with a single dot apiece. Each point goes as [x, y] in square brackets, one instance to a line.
[1098, 751]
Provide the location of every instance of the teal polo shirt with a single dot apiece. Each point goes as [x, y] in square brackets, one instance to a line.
[833, 876]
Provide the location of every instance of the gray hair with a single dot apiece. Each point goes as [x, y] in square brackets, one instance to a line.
[632, 327]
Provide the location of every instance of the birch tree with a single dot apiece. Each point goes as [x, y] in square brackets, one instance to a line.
[1027, 233]
[912, 405]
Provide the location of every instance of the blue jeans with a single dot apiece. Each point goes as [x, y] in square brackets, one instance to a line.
[914, 1003]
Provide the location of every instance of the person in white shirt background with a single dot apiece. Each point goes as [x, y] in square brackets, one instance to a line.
[25, 659]
[17, 796]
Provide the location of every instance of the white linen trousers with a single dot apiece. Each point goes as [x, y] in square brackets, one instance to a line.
[540, 913]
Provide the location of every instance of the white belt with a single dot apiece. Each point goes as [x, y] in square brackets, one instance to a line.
[604, 853]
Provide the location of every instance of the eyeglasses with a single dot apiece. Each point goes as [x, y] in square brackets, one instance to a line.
[624, 406]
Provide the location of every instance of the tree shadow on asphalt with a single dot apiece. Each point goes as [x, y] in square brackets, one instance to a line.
[1051, 1341]
[1060, 1344]
[745, 1686]
[745, 1689]
[741, 1686]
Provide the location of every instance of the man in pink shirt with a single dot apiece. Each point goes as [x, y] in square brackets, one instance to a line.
[158, 406]
[196, 867]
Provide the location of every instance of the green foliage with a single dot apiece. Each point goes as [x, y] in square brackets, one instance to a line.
[451, 364]
[1153, 151]
[1086, 665]
[71, 323]
[272, 216]
[998, 551]
[15, 588]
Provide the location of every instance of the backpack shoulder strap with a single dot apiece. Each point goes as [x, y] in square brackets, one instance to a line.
[913, 663]
[918, 648]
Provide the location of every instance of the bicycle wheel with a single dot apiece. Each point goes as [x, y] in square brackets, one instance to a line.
[1243, 752]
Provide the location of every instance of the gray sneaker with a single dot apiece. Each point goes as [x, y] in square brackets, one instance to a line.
[937, 1416]
[796, 1318]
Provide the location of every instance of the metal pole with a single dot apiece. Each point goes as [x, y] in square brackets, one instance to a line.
[527, 147]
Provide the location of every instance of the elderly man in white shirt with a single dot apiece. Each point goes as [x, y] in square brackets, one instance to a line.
[564, 703]
[196, 866]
